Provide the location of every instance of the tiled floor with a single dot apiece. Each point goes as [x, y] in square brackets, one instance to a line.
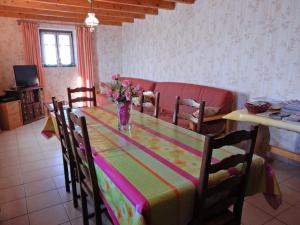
[32, 186]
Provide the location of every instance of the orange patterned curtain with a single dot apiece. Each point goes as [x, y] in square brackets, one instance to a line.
[32, 47]
[85, 55]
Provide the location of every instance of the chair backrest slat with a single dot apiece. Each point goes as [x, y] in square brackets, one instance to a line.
[62, 128]
[228, 162]
[189, 117]
[91, 95]
[231, 190]
[83, 152]
[152, 104]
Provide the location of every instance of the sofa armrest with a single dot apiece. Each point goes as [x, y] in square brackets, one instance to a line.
[214, 117]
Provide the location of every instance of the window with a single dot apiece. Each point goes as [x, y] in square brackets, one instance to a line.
[57, 48]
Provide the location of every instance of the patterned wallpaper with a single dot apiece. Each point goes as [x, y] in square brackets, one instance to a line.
[108, 54]
[251, 47]
[11, 51]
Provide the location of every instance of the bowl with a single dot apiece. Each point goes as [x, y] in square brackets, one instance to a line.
[257, 106]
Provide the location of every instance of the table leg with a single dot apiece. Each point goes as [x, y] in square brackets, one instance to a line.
[262, 141]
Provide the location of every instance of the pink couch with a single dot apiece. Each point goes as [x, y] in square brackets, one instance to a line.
[213, 97]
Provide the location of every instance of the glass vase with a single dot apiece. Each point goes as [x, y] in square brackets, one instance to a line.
[123, 111]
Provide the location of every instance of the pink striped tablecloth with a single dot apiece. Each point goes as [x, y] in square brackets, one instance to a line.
[149, 175]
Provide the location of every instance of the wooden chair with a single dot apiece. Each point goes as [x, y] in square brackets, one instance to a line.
[67, 153]
[214, 200]
[150, 100]
[91, 97]
[189, 117]
[85, 166]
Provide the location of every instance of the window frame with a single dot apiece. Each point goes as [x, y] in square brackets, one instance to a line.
[56, 33]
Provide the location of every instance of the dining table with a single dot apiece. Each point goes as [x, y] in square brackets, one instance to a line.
[149, 175]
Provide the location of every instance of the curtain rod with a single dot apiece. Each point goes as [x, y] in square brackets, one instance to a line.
[49, 22]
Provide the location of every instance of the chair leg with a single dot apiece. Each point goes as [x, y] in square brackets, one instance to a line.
[66, 171]
[85, 214]
[74, 188]
[98, 213]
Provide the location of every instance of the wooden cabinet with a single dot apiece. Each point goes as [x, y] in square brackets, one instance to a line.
[31, 104]
[10, 115]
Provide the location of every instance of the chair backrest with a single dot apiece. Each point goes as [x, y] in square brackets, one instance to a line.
[214, 199]
[150, 99]
[62, 128]
[83, 153]
[90, 97]
[186, 116]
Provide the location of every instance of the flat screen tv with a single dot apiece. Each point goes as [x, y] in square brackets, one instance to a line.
[26, 75]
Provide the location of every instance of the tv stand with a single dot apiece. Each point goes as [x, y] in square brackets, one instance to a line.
[31, 103]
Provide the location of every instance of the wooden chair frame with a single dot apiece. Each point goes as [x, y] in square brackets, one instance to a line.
[85, 166]
[91, 90]
[155, 96]
[191, 103]
[67, 153]
[232, 188]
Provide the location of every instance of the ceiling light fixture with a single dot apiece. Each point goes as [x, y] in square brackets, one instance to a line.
[91, 20]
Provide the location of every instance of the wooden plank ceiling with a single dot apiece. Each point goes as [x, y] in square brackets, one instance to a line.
[109, 12]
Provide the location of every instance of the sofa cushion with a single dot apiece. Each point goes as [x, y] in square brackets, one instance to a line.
[213, 97]
[146, 85]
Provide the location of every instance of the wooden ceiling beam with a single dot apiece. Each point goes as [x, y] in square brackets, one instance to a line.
[58, 8]
[62, 14]
[105, 21]
[143, 3]
[101, 5]
[183, 1]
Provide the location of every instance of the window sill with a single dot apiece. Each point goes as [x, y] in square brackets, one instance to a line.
[59, 66]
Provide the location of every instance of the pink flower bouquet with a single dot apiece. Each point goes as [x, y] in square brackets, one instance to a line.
[122, 91]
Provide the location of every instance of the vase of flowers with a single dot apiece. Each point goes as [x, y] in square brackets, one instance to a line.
[121, 92]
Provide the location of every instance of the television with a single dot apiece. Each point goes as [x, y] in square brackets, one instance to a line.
[26, 75]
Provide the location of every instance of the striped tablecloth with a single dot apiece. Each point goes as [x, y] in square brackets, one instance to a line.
[148, 175]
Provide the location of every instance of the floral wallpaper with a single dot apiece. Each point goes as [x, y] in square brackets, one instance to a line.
[11, 51]
[251, 47]
[108, 51]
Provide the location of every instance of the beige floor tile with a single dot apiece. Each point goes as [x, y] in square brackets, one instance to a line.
[290, 217]
[293, 183]
[52, 154]
[260, 202]
[274, 222]
[6, 182]
[9, 161]
[13, 209]
[65, 196]
[31, 158]
[59, 181]
[39, 217]
[41, 164]
[289, 195]
[8, 154]
[10, 171]
[39, 187]
[79, 221]
[42, 174]
[21, 220]
[43, 200]
[252, 215]
[12, 193]
[72, 212]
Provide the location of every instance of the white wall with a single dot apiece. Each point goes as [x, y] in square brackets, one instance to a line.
[251, 47]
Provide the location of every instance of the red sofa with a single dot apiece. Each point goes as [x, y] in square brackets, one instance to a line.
[213, 97]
